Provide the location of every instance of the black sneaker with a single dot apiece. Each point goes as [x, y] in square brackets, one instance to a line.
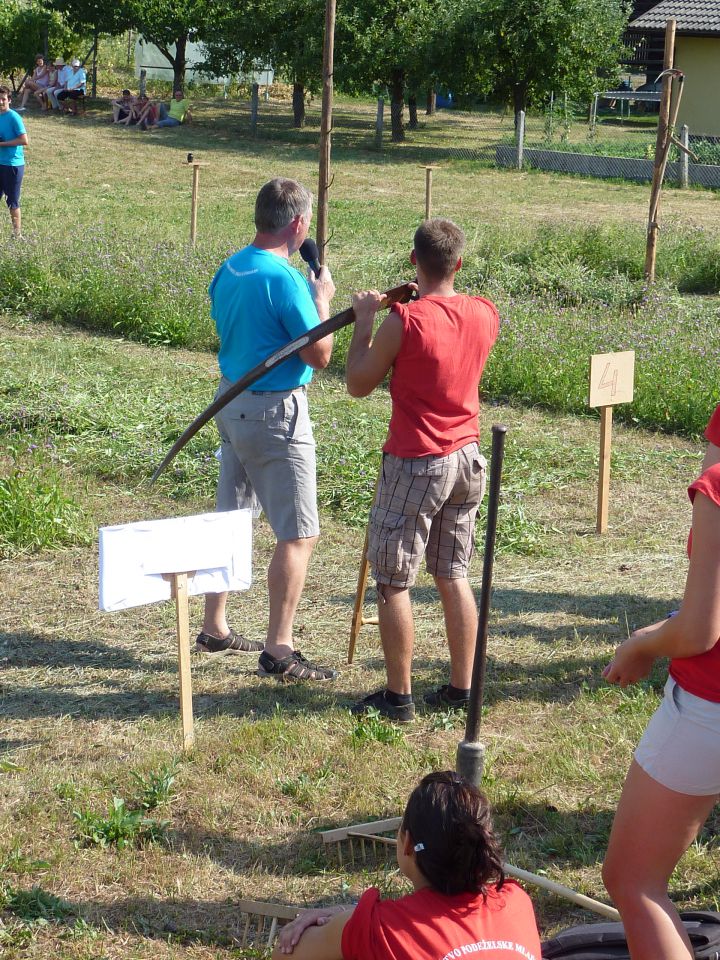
[232, 643]
[293, 667]
[405, 713]
[444, 698]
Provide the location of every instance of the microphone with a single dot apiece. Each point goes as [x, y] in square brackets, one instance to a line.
[311, 255]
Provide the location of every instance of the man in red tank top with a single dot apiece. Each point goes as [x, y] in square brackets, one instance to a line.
[433, 475]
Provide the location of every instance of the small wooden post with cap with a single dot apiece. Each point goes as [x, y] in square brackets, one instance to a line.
[195, 164]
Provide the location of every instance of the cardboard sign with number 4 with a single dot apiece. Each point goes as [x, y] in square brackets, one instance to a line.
[612, 381]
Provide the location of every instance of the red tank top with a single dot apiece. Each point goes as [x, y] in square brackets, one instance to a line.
[700, 675]
[435, 375]
[712, 431]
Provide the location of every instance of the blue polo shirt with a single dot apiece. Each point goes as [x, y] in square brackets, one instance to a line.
[11, 126]
[259, 304]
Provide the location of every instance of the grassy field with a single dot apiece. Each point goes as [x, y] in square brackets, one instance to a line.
[89, 733]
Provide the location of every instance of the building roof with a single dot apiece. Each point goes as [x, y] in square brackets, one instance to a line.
[692, 16]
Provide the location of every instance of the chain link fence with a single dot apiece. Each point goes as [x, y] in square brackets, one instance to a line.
[613, 137]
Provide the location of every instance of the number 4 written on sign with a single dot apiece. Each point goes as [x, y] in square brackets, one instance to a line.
[612, 382]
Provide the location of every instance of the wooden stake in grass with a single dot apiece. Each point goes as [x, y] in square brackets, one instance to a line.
[194, 202]
[612, 380]
[326, 129]
[179, 583]
[428, 191]
[662, 145]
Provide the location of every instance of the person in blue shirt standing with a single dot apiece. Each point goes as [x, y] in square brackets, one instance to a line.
[12, 158]
[259, 304]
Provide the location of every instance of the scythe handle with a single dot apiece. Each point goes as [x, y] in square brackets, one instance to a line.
[399, 294]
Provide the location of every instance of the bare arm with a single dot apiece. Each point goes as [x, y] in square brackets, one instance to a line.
[21, 141]
[323, 942]
[369, 359]
[696, 628]
[317, 355]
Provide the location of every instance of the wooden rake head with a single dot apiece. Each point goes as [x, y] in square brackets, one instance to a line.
[261, 922]
[361, 840]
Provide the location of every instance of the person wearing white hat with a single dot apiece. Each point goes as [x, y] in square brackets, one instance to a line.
[75, 86]
[63, 74]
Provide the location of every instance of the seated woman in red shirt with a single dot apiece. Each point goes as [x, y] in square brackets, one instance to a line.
[461, 902]
[674, 780]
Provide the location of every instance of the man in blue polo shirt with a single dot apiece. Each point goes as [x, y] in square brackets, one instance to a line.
[259, 304]
[12, 158]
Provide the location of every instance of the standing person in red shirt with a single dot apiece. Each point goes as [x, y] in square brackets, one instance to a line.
[461, 905]
[674, 779]
[433, 474]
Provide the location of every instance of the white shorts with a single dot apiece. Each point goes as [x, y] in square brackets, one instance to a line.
[681, 744]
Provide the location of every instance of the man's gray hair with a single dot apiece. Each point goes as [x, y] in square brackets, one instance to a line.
[279, 202]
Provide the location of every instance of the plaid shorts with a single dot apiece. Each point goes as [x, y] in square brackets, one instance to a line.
[426, 505]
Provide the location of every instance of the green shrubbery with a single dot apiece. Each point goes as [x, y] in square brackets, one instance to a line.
[564, 292]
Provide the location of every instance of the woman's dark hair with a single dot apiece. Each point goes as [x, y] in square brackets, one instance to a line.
[451, 819]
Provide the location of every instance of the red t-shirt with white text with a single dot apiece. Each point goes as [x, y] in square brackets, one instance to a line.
[700, 675]
[435, 375]
[427, 925]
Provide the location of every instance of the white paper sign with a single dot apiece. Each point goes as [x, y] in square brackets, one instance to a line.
[217, 547]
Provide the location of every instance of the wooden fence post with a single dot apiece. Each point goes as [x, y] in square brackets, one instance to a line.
[254, 98]
[520, 134]
[684, 158]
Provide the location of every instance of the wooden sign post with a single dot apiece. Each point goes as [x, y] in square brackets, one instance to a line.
[179, 585]
[612, 381]
[155, 560]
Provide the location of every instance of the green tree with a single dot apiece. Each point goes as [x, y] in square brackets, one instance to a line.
[379, 43]
[287, 34]
[29, 29]
[520, 50]
[171, 24]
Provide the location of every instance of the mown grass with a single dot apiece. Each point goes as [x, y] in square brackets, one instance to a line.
[89, 700]
[114, 258]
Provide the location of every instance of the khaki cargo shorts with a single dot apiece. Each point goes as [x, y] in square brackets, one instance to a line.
[268, 458]
[426, 506]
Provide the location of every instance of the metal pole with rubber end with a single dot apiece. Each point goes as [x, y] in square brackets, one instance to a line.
[470, 752]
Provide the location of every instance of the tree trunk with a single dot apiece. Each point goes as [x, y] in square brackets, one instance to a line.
[431, 102]
[397, 105]
[179, 63]
[412, 109]
[298, 104]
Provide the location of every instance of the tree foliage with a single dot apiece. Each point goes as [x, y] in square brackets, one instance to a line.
[390, 45]
[25, 29]
[287, 34]
[521, 50]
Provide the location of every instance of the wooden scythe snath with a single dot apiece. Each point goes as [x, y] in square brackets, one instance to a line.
[324, 179]
[665, 137]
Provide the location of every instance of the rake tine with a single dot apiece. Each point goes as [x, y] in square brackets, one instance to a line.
[273, 931]
[245, 931]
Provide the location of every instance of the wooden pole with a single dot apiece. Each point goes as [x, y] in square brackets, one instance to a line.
[254, 99]
[326, 130]
[660, 153]
[428, 192]
[182, 621]
[194, 204]
[604, 477]
[379, 121]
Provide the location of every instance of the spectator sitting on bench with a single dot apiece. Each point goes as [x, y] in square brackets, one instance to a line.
[37, 84]
[74, 87]
[177, 113]
[58, 83]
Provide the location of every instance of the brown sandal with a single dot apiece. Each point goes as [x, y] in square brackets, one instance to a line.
[292, 667]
